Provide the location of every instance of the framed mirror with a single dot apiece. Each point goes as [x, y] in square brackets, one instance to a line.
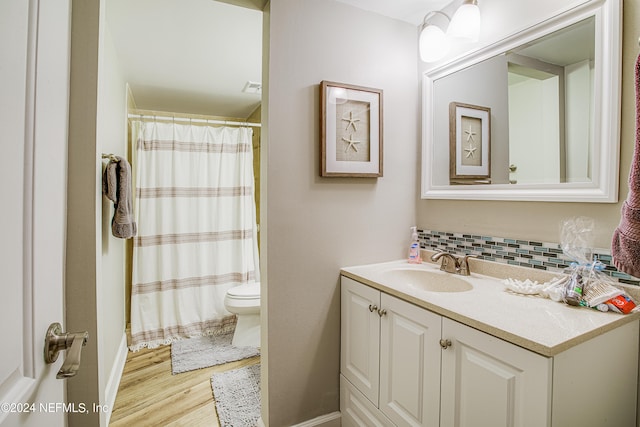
[553, 96]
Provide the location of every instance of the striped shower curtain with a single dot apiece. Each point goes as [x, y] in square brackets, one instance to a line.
[196, 219]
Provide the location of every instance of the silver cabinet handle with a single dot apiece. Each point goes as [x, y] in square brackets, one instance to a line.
[372, 308]
[445, 344]
[56, 340]
[382, 312]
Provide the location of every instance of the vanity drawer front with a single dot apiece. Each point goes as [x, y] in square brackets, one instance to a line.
[357, 410]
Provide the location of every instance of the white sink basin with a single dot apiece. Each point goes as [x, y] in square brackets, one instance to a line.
[427, 280]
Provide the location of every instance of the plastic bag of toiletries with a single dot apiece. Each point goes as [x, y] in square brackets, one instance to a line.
[586, 284]
[576, 239]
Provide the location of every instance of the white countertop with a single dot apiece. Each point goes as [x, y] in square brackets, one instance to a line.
[533, 322]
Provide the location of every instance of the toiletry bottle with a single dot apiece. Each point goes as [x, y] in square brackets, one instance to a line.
[414, 248]
[573, 290]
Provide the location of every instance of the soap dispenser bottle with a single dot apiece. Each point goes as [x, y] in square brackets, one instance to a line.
[414, 248]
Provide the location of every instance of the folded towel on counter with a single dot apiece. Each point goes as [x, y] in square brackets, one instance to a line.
[625, 245]
[116, 185]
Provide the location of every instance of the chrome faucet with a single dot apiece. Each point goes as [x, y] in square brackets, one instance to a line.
[451, 263]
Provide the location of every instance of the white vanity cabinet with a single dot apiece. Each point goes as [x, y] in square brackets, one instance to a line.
[404, 365]
[391, 355]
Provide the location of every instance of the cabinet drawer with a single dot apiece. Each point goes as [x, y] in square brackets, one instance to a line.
[357, 410]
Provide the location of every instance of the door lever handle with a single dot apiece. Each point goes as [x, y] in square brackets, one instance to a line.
[56, 340]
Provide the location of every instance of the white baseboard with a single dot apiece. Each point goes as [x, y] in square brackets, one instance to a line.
[328, 420]
[111, 389]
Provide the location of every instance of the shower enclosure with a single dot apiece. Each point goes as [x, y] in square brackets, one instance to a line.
[197, 233]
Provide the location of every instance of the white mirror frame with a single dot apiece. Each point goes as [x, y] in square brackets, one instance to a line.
[607, 80]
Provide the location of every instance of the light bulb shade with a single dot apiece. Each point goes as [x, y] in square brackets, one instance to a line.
[433, 44]
[465, 23]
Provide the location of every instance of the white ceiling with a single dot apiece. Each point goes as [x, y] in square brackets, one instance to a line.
[411, 11]
[188, 56]
[195, 56]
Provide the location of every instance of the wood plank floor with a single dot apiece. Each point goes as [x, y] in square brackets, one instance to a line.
[149, 395]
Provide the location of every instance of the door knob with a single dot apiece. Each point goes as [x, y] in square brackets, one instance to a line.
[56, 340]
[372, 308]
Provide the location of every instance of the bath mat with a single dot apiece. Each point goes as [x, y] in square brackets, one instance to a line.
[237, 396]
[202, 352]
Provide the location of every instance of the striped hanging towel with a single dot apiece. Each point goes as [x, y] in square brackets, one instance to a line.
[116, 185]
[625, 246]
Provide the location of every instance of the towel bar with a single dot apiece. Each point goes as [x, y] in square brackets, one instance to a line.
[111, 157]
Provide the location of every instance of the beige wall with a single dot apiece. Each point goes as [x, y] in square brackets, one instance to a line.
[81, 274]
[256, 117]
[316, 225]
[111, 138]
[94, 284]
[541, 221]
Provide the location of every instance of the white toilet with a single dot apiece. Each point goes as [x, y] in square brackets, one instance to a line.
[244, 301]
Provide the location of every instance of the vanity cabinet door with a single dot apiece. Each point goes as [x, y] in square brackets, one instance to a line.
[489, 382]
[409, 363]
[360, 337]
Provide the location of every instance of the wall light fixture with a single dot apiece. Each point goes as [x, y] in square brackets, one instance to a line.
[465, 23]
[433, 42]
[463, 26]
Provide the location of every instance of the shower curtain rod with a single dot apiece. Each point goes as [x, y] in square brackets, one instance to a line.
[188, 120]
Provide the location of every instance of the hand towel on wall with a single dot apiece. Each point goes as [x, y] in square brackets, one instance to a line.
[625, 246]
[116, 185]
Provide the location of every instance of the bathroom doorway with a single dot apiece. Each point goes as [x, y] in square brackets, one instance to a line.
[189, 62]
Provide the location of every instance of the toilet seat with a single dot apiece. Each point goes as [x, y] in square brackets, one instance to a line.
[246, 291]
[244, 301]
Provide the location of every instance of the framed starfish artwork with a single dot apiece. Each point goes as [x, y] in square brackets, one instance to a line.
[351, 130]
[469, 144]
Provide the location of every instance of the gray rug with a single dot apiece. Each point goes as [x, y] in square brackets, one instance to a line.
[202, 352]
[237, 396]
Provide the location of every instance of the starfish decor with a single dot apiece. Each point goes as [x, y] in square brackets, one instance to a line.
[352, 143]
[470, 150]
[470, 134]
[352, 121]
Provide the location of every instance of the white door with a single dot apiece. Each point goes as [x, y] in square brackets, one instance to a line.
[360, 337]
[409, 363]
[34, 84]
[489, 382]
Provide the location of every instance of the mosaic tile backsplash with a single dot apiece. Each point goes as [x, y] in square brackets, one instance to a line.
[524, 253]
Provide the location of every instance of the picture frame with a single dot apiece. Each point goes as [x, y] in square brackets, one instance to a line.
[351, 130]
[469, 143]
